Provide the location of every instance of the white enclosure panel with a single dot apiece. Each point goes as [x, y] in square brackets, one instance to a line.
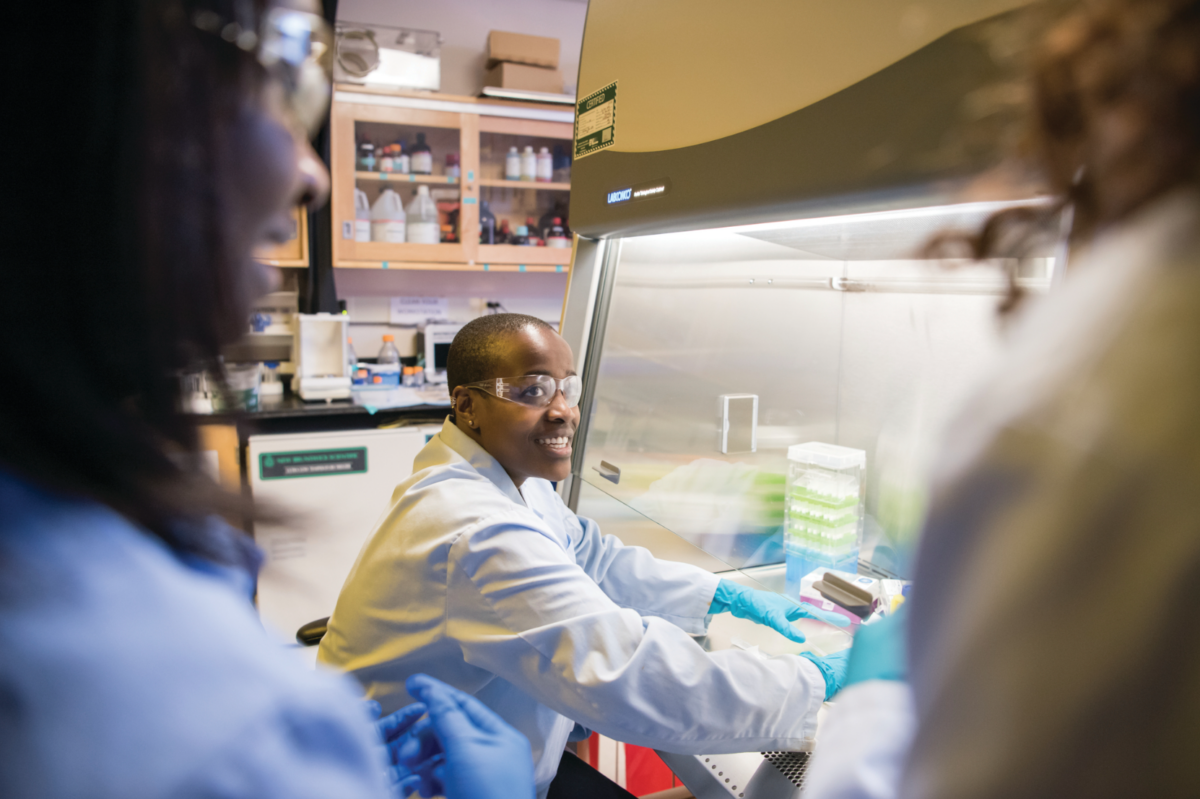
[328, 510]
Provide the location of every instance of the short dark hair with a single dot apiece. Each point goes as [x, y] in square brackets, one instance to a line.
[474, 351]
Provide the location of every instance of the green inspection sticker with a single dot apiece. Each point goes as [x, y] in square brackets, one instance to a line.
[312, 463]
[596, 121]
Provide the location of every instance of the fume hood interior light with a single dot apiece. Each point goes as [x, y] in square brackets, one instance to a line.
[976, 209]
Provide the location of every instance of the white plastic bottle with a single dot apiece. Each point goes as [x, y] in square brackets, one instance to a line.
[362, 216]
[545, 166]
[423, 225]
[387, 218]
[528, 164]
[512, 165]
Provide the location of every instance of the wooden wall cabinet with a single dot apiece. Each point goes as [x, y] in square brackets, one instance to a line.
[480, 131]
[294, 252]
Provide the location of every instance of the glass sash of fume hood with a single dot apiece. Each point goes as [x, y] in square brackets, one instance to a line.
[841, 332]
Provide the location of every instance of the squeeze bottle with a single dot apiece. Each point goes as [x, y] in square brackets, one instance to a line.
[545, 166]
[528, 164]
[512, 165]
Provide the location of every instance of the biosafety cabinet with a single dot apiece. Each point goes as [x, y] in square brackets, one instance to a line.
[754, 184]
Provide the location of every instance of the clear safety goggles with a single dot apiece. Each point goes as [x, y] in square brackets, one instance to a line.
[536, 391]
[295, 48]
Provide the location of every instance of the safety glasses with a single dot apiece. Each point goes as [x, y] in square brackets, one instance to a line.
[536, 391]
[296, 49]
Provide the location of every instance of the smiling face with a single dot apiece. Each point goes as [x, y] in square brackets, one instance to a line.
[527, 441]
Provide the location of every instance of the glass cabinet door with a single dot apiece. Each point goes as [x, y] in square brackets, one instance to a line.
[723, 348]
[384, 159]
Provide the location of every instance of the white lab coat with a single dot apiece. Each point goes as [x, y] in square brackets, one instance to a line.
[510, 596]
[1054, 582]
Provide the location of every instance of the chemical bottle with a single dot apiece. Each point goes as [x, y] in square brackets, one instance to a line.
[418, 376]
[545, 166]
[385, 160]
[387, 218]
[388, 354]
[366, 156]
[423, 226]
[487, 224]
[351, 355]
[512, 165]
[521, 236]
[399, 159]
[528, 164]
[562, 165]
[420, 157]
[406, 376]
[504, 233]
[534, 232]
[557, 236]
[453, 170]
[362, 216]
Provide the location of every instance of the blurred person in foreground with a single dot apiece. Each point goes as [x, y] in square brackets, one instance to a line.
[1052, 642]
[1053, 648]
[134, 664]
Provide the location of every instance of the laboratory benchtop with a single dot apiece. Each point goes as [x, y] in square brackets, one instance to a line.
[290, 414]
[754, 775]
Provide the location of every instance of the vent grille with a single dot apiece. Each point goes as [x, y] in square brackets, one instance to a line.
[793, 765]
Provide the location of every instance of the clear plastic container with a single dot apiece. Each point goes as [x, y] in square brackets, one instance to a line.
[387, 218]
[362, 216]
[351, 355]
[239, 391]
[388, 354]
[823, 519]
[423, 225]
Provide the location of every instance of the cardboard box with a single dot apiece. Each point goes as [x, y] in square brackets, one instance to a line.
[521, 48]
[523, 76]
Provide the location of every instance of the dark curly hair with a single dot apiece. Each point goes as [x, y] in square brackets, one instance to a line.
[1113, 124]
[121, 276]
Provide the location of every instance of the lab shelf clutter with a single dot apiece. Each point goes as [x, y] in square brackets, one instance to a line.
[456, 152]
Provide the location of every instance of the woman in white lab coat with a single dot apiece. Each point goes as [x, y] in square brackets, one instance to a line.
[479, 575]
[1054, 646]
[1054, 643]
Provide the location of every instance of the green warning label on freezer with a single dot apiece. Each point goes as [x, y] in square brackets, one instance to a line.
[596, 121]
[313, 463]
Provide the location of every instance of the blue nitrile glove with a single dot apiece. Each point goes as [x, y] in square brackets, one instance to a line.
[412, 748]
[879, 650]
[769, 609]
[833, 669]
[484, 758]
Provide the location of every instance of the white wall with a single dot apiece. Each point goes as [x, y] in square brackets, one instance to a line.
[464, 25]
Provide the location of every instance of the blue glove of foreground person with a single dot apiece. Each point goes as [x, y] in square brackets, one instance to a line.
[405, 744]
[769, 609]
[460, 750]
[833, 669]
[879, 650]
